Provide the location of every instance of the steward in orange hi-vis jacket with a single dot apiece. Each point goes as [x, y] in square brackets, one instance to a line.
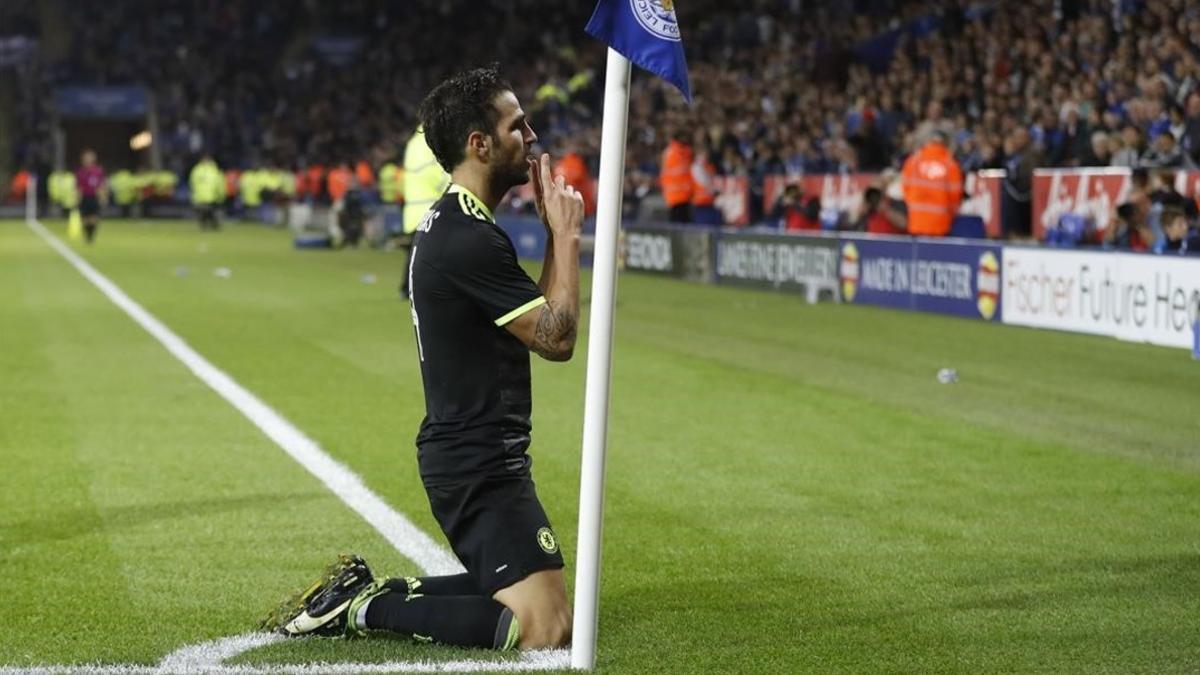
[675, 179]
[933, 186]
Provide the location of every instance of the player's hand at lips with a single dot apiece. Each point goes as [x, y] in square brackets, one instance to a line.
[559, 205]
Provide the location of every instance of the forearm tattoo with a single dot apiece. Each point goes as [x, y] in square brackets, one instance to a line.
[554, 337]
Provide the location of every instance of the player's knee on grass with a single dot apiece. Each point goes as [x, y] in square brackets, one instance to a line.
[545, 627]
[539, 603]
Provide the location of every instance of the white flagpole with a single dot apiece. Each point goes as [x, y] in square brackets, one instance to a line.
[599, 361]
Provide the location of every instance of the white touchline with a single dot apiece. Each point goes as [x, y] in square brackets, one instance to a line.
[399, 531]
[557, 659]
[213, 653]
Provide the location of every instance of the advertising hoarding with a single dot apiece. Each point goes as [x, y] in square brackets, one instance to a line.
[776, 261]
[955, 278]
[1136, 297]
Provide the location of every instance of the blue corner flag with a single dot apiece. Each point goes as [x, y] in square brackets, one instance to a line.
[645, 32]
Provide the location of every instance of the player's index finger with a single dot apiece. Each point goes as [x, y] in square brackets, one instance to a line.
[546, 169]
[539, 190]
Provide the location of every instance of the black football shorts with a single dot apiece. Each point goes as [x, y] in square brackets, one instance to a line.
[497, 528]
[89, 206]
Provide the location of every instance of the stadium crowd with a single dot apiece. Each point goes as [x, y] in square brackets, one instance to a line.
[319, 83]
[781, 86]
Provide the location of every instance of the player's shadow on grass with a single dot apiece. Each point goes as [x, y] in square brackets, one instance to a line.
[68, 524]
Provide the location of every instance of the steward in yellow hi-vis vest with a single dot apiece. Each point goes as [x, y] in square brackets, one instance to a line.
[251, 187]
[125, 190]
[62, 189]
[390, 183]
[424, 180]
[207, 184]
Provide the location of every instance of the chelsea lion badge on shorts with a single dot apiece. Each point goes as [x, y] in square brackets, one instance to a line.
[547, 540]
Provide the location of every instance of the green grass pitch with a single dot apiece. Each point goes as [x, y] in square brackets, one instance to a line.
[789, 487]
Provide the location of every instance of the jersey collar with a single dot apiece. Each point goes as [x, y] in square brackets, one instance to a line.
[472, 205]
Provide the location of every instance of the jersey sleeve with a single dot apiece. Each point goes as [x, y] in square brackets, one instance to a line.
[487, 272]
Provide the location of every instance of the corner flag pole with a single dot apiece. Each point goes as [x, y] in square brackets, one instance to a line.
[599, 361]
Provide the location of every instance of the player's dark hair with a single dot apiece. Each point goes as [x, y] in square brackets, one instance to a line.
[459, 106]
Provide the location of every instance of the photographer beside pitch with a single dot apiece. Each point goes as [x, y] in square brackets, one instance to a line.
[476, 315]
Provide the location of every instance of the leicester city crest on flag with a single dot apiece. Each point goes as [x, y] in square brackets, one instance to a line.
[658, 17]
[647, 33]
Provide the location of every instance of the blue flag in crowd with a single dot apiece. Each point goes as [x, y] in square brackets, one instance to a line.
[646, 33]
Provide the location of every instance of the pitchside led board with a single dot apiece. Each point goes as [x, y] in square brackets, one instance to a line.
[651, 250]
[683, 252]
[780, 262]
[1131, 296]
[962, 279]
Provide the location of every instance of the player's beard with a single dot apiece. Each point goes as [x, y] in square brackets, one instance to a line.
[511, 172]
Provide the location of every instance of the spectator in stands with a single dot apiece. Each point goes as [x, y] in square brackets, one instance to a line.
[1178, 126]
[1190, 139]
[1178, 237]
[794, 213]
[1140, 205]
[1130, 152]
[1162, 197]
[990, 152]
[785, 82]
[1016, 202]
[1098, 152]
[1077, 139]
[935, 123]
[1049, 139]
[805, 157]
[638, 185]
[1163, 191]
[879, 214]
[933, 187]
[869, 147]
[1126, 233]
[788, 209]
[1162, 153]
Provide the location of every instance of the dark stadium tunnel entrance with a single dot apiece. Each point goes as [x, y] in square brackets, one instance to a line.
[110, 138]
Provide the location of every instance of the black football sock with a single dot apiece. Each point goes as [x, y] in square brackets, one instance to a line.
[463, 620]
[454, 584]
